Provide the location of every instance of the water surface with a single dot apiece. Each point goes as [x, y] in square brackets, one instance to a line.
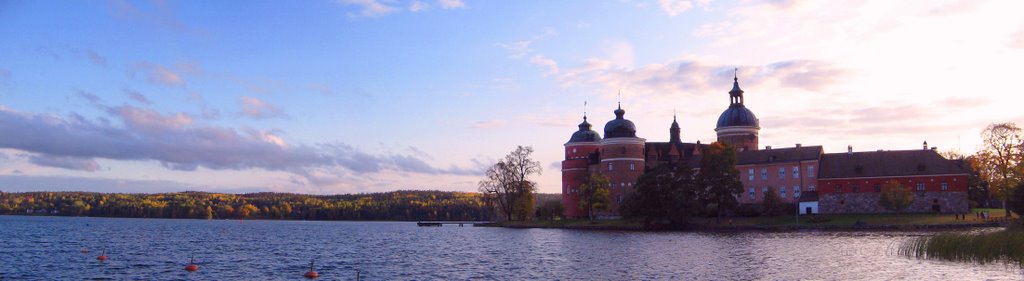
[49, 248]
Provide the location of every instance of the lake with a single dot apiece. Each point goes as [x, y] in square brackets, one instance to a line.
[49, 248]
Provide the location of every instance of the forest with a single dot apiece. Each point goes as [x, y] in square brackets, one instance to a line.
[396, 205]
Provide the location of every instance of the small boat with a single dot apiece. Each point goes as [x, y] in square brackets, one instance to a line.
[428, 224]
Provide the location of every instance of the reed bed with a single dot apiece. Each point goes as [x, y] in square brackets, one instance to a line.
[1003, 246]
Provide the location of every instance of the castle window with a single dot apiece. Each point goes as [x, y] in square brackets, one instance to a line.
[782, 192]
[945, 186]
[810, 171]
[796, 172]
[782, 172]
[810, 188]
[796, 191]
[573, 150]
[920, 186]
[839, 188]
[619, 199]
[750, 174]
[609, 166]
[764, 189]
[856, 188]
[764, 173]
[878, 187]
[632, 166]
[750, 192]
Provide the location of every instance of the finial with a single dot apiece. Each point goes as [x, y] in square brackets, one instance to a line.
[673, 114]
[735, 74]
[620, 98]
[584, 110]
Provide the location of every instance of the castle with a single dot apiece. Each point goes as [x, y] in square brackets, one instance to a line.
[818, 182]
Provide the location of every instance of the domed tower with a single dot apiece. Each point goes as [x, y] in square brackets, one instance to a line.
[578, 151]
[737, 125]
[622, 158]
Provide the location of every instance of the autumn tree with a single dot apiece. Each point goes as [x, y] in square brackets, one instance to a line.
[508, 183]
[719, 177]
[771, 205]
[895, 197]
[1000, 159]
[666, 194]
[550, 209]
[594, 194]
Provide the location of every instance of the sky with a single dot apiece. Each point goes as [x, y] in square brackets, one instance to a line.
[355, 96]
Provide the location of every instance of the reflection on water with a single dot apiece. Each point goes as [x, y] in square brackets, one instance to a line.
[48, 248]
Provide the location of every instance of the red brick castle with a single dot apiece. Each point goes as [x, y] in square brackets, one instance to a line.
[817, 181]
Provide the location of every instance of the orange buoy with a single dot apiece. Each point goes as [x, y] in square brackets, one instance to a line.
[311, 274]
[103, 256]
[192, 267]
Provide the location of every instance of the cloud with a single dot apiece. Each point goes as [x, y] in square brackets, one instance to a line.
[176, 142]
[157, 74]
[96, 58]
[65, 162]
[488, 124]
[259, 109]
[136, 96]
[451, 4]
[1016, 41]
[675, 7]
[417, 6]
[696, 76]
[550, 64]
[370, 8]
[92, 98]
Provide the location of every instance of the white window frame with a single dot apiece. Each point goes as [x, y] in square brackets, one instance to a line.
[945, 186]
[810, 171]
[796, 172]
[750, 174]
[782, 173]
[782, 192]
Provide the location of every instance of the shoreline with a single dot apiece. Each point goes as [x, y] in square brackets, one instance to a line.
[753, 228]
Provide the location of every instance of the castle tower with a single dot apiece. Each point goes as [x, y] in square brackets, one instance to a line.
[583, 145]
[622, 158]
[738, 125]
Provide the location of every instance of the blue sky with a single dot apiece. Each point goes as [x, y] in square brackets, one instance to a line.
[372, 95]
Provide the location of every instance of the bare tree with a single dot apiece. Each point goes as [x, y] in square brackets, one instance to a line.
[1000, 159]
[508, 183]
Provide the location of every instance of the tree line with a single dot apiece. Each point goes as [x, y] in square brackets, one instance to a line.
[396, 205]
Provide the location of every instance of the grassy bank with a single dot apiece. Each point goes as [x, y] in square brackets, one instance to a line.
[986, 247]
[873, 221]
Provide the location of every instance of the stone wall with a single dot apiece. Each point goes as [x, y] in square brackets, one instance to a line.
[867, 202]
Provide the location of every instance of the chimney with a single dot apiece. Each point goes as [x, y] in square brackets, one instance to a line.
[798, 145]
[767, 147]
[925, 146]
[849, 149]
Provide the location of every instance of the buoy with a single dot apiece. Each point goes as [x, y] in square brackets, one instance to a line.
[192, 267]
[103, 256]
[311, 274]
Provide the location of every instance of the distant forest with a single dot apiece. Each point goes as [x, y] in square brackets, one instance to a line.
[396, 205]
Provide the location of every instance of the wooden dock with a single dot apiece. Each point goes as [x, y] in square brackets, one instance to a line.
[442, 223]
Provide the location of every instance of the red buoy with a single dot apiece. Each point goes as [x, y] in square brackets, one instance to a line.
[103, 256]
[311, 274]
[192, 267]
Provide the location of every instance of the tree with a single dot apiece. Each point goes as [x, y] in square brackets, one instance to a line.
[550, 209]
[666, 194]
[1000, 159]
[771, 205]
[1017, 200]
[719, 178]
[895, 197]
[594, 194]
[508, 181]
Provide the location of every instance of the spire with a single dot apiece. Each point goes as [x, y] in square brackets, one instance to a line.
[584, 111]
[673, 132]
[619, 112]
[736, 94]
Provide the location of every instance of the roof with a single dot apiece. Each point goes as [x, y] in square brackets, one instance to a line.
[808, 196]
[779, 155]
[889, 163]
[737, 115]
[585, 134]
[662, 152]
[619, 127]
